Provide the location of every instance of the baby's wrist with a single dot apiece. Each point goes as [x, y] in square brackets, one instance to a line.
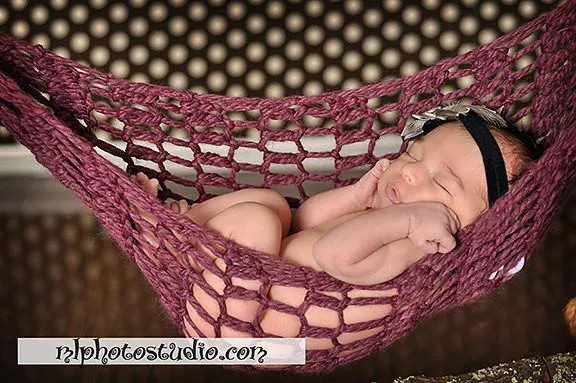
[406, 217]
[362, 202]
[399, 217]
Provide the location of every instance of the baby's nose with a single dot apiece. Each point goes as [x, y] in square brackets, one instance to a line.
[413, 174]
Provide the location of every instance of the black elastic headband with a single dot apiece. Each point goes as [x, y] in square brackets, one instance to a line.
[494, 166]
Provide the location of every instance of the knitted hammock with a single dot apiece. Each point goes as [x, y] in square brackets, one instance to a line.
[55, 107]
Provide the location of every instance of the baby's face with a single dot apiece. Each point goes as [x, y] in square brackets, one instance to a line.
[444, 166]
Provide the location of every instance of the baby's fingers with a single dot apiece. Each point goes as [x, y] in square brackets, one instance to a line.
[383, 163]
[453, 221]
[446, 244]
[429, 247]
[381, 166]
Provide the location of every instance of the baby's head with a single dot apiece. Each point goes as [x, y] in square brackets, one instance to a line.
[446, 165]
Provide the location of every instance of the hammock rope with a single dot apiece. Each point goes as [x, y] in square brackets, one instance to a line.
[54, 106]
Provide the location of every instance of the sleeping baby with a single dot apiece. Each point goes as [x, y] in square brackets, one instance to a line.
[459, 160]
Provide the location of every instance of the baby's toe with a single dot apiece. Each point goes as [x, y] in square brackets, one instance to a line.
[152, 187]
[140, 178]
[183, 206]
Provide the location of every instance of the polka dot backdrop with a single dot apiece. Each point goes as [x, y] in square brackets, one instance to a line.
[262, 48]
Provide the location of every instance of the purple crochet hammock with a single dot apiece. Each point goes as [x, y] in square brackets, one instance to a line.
[49, 104]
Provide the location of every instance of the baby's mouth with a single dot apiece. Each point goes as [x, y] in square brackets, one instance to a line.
[392, 194]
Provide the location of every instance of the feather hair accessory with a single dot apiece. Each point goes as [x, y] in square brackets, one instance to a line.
[449, 112]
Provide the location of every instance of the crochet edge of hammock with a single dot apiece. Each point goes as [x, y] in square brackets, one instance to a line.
[164, 276]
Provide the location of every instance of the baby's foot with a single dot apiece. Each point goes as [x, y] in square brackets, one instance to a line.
[181, 206]
[149, 185]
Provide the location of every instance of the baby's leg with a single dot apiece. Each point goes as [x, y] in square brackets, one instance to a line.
[203, 212]
[250, 224]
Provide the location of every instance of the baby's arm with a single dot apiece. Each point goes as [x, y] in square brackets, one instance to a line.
[381, 244]
[325, 206]
[338, 202]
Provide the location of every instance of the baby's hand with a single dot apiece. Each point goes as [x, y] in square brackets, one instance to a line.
[432, 227]
[367, 185]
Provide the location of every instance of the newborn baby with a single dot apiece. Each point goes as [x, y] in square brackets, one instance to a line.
[373, 230]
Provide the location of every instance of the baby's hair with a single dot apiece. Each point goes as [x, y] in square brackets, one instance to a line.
[518, 149]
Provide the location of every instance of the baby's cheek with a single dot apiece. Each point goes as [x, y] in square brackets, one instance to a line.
[466, 215]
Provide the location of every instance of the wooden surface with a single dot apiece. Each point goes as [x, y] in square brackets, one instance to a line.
[560, 368]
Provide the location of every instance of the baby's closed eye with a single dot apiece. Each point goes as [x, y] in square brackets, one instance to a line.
[444, 183]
